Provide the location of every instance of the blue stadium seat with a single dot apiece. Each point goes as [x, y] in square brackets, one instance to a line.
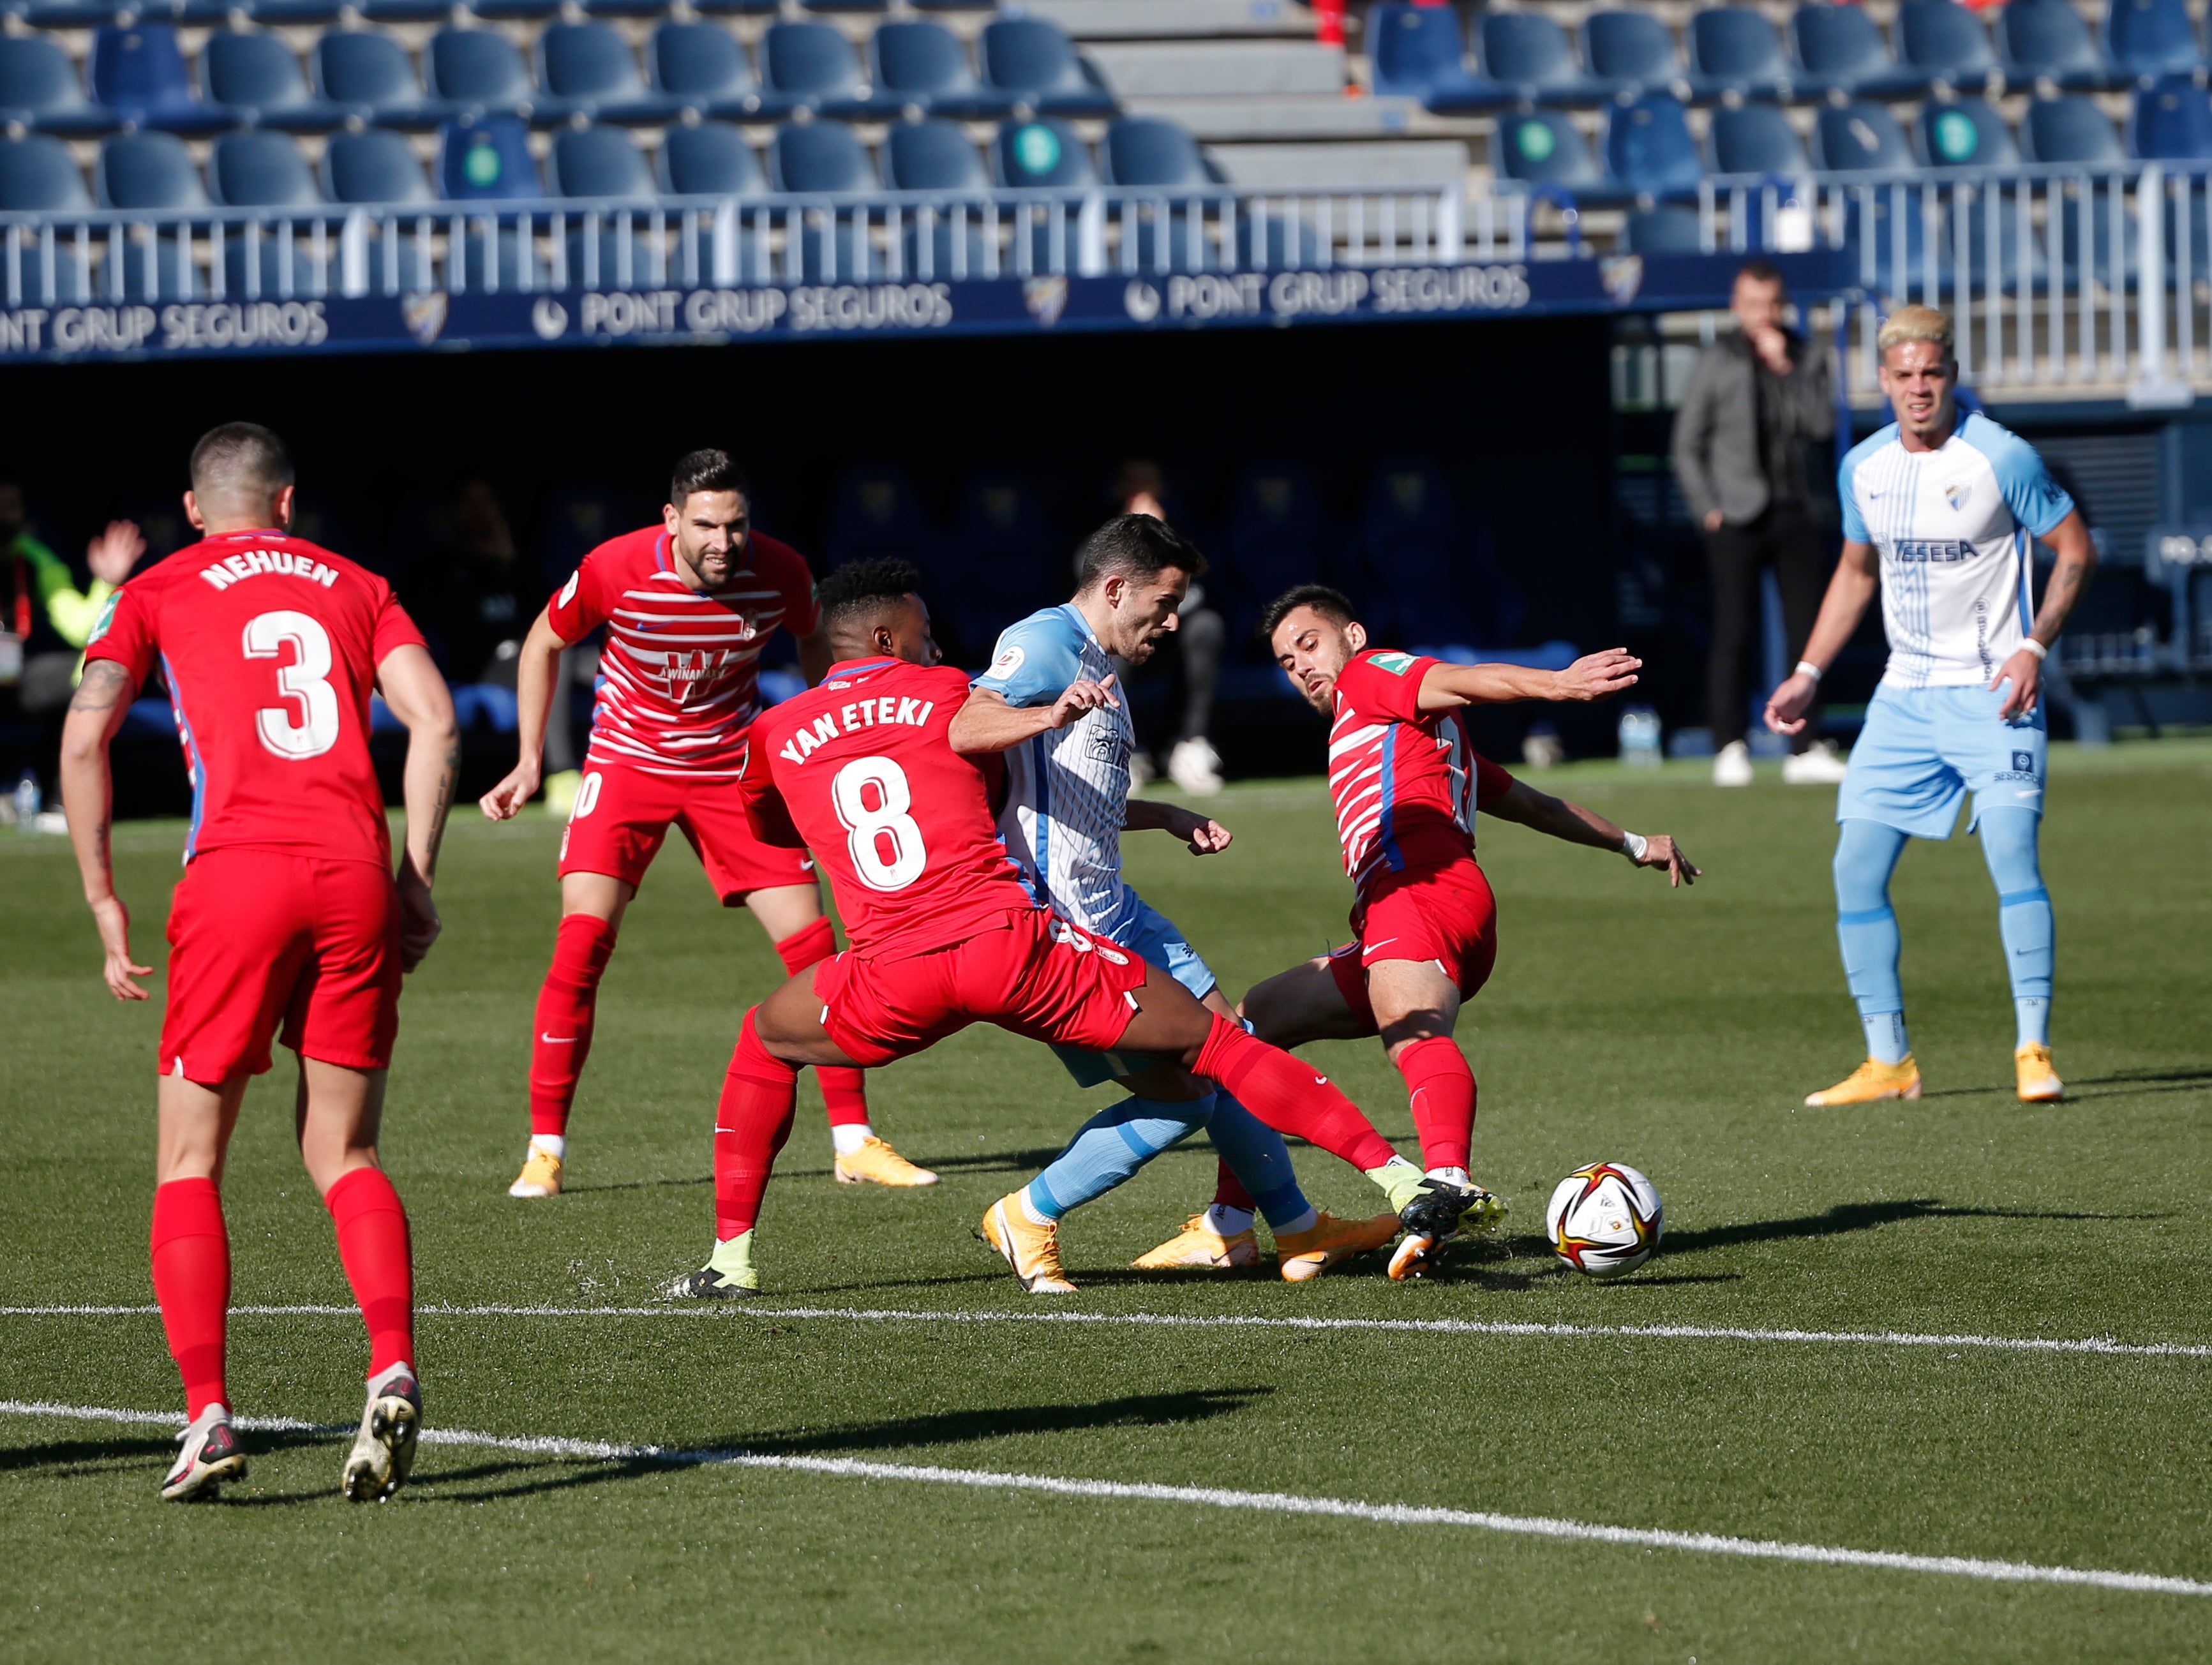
[2070, 130]
[1948, 45]
[2046, 40]
[624, 8]
[260, 169]
[589, 67]
[1648, 147]
[954, 5]
[931, 155]
[812, 66]
[2149, 39]
[367, 71]
[69, 13]
[404, 11]
[1630, 53]
[701, 67]
[710, 160]
[1530, 53]
[1417, 52]
[1840, 51]
[1733, 49]
[1669, 228]
[1034, 61]
[1046, 153]
[277, 13]
[1966, 133]
[139, 73]
[1754, 138]
[921, 62]
[374, 166]
[148, 171]
[38, 175]
[812, 157]
[486, 158]
[514, 11]
[38, 88]
[735, 8]
[1145, 150]
[1543, 146]
[480, 70]
[1862, 137]
[598, 161]
[2172, 121]
[255, 77]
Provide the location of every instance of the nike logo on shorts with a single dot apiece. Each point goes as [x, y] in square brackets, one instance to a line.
[557, 1040]
[1370, 947]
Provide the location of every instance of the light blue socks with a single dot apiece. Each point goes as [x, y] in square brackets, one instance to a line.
[2024, 919]
[1866, 929]
[1111, 1147]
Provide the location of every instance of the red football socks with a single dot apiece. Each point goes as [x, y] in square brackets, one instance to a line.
[751, 1122]
[1442, 1088]
[1289, 1096]
[843, 1093]
[372, 1229]
[191, 1280]
[563, 1038]
[1229, 1191]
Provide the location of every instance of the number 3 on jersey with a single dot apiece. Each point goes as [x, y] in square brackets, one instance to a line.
[306, 680]
[871, 827]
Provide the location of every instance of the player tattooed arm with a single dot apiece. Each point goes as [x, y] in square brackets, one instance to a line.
[1593, 676]
[1204, 836]
[417, 695]
[988, 723]
[1578, 825]
[101, 702]
[2075, 565]
[536, 670]
[1858, 575]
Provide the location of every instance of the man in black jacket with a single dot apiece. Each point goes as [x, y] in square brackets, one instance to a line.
[1753, 451]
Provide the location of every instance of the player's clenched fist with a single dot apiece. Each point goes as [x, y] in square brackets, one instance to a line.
[1082, 697]
[1595, 676]
[505, 801]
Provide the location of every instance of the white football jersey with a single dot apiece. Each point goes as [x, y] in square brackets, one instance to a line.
[1954, 527]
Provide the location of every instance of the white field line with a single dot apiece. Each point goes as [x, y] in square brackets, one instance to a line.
[2099, 1344]
[1271, 1503]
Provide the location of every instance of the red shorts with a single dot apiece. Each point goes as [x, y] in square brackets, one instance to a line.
[1037, 975]
[1446, 915]
[256, 936]
[622, 815]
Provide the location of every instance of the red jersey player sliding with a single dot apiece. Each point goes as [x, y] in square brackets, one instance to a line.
[288, 911]
[688, 606]
[1406, 785]
[862, 771]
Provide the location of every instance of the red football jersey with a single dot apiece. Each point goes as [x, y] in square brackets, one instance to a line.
[269, 646]
[680, 669]
[859, 770]
[1406, 783]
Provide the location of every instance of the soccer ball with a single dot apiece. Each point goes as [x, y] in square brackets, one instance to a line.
[1605, 1219]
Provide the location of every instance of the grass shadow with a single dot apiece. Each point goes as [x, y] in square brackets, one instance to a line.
[1847, 1217]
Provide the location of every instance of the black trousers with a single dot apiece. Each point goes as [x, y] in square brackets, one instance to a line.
[1792, 543]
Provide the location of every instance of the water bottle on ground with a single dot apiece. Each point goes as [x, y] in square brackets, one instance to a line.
[1639, 737]
[27, 802]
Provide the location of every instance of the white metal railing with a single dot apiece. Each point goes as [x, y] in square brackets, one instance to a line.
[217, 254]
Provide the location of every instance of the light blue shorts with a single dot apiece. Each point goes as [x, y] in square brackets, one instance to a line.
[1923, 749]
[1156, 938]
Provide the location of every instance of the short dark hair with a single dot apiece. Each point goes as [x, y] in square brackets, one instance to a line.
[1761, 271]
[704, 470]
[1332, 605]
[240, 458]
[1135, 546]
[861, 589]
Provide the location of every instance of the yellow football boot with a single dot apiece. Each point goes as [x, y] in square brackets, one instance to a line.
[875, 1164]
[1032, 1249]
[540, 1176]
[2038, 1081]
[1872, 1082]
[1197, 1244]
[1300, 1255]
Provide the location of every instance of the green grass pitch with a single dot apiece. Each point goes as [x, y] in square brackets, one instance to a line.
[1677, 1032]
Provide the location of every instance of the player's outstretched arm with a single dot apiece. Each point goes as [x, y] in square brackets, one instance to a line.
[1857, 576]
[535, 672]
[95, 712]
[1578, 825]
[2076, 564]
[988, 723]
[419, 697]
[1204, 836]
[1593, 676]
